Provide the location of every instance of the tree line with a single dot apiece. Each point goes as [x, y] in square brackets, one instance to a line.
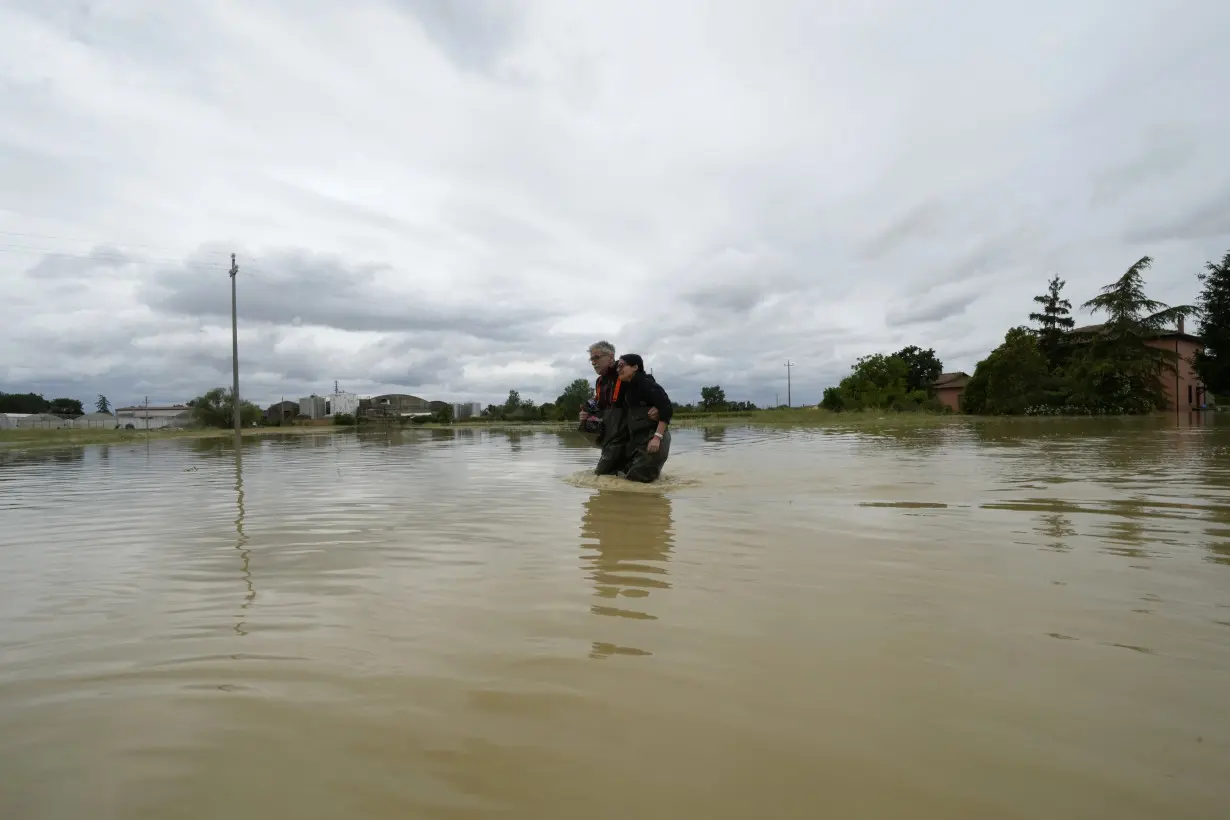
[1108, 368]
[33, 403]
[1054, 367]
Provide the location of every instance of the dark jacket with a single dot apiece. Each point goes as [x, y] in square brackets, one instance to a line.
[636, 397]
[604, 388]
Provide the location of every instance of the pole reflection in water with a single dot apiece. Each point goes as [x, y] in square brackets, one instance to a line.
[241, 543]
[632, 535]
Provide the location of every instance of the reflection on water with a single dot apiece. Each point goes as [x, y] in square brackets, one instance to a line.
[1056, 528]
[631, 537]
[991, 619]
[241, 544]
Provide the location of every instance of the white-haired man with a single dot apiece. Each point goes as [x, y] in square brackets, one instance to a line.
[606, 390]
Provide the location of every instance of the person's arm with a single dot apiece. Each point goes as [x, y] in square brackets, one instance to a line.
[662, 403]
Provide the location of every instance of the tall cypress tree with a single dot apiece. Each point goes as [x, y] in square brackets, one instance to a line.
[1213, 364]
[1054, 321]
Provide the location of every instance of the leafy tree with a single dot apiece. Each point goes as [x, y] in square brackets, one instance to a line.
[1053, 323]
[66, 407]
[1117, 371]
[923, 367]
[833, 400]
[444, 415]
[1013, 378]
[23, 403]
[102, 405]
[546, 411]
[876, 382]
[569, 403]
[740, 406]
[512, 403]
[1213, 364]
[712, 398]
[216, 409]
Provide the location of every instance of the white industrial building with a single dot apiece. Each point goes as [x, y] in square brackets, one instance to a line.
[313, 407]
[343, 402]
[467, 410]
[154, 416]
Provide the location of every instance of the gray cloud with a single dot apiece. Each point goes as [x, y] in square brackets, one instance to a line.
[473, 34]
[910, 313]
[456, 198]
[300, 287]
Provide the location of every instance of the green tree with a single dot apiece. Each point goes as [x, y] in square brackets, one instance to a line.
[102, 405]
[23, 403]
[833, 400]
[1053, 323]
[569, 403]
[1117, 370]
[444, 415]
[1012, 379]
[513, 403]
[922, 367]
[216, 409]
[1213, 363]
[876, 382]
[713, 398]
[66, 407]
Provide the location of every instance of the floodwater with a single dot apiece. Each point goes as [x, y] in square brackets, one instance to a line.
[998, 620]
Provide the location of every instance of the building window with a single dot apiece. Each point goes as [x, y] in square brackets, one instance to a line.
[1189, 395]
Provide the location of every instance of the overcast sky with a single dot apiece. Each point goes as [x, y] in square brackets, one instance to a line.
[455, 199]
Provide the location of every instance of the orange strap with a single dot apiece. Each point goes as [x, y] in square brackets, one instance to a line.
[598, 391]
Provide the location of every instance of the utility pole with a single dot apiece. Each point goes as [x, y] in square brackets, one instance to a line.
[147, 417]
[235, 355]
[789, 364]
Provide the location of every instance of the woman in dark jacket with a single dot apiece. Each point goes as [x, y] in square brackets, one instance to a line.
[638, 445]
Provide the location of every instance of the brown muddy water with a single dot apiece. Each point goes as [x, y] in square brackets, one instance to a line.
[1025, 620]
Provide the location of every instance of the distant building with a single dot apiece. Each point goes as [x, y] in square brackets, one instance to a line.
[467, 410]
[29, 421]
[282, 411]
[154, 416]
[313, 407]
[1183, 388]
[94, 421]
[396, 404]
[949, 387]
[343, 402]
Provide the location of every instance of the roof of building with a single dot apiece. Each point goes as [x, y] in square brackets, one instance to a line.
[958, 378]
[141, 408]
[1165, 334]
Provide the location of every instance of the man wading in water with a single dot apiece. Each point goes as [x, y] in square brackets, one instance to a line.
[635, 438]
[602, 359]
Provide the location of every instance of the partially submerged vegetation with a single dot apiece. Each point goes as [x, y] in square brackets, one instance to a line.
[37, 438]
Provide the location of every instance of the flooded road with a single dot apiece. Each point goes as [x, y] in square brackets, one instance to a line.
[1002, 620]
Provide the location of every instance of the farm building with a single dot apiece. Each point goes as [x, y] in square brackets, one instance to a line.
[154, 416]
[27, 421]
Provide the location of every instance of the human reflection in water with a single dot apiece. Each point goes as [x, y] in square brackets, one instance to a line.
[631, 535]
